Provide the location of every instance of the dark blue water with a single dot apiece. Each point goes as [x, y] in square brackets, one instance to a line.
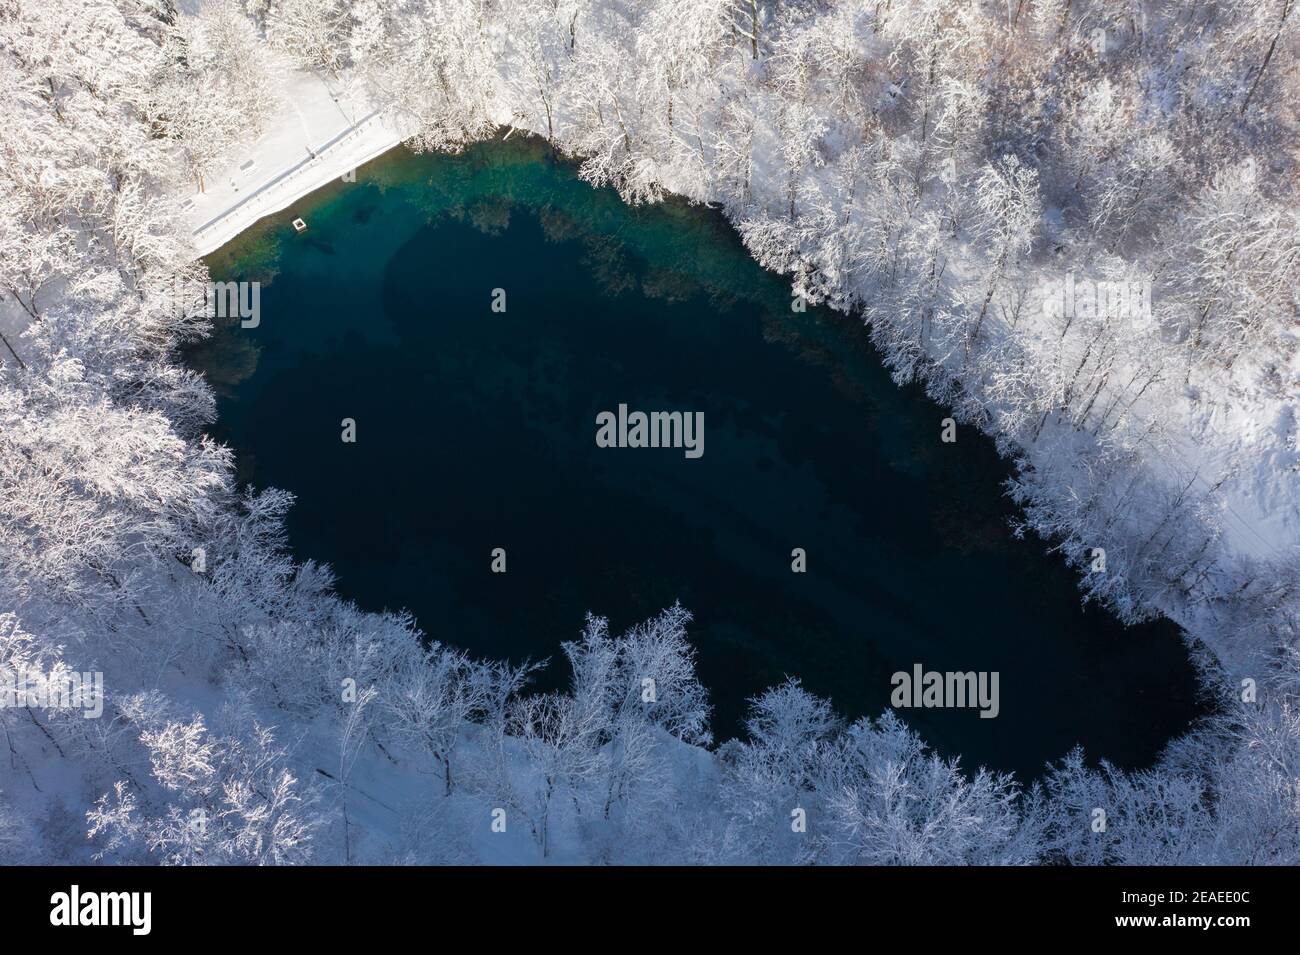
[476, 430]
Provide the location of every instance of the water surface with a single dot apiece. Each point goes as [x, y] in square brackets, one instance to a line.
[476, 430]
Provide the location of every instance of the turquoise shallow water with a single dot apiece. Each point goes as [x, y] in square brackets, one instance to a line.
[476, 430]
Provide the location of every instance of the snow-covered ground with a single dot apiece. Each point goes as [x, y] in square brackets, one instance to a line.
[12, 321]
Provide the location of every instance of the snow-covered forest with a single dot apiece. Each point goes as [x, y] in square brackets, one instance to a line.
[943, 168]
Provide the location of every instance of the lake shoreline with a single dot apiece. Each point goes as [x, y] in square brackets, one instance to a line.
[498, 188]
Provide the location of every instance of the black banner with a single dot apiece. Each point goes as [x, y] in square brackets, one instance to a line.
[337, 905]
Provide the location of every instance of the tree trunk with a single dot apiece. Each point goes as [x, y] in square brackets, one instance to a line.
[1286, 12]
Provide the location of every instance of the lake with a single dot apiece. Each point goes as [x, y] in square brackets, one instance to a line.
[476, 429]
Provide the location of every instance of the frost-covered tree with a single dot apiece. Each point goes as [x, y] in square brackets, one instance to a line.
[217, 89]
[223, 800]
[889, 802]
[560, 742]
[431, 697]
[1007, 207]
[770, 779]
[313, 31]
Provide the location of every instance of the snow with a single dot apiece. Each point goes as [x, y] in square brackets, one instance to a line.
[12, 322]
[322, 131]
[106, 483]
